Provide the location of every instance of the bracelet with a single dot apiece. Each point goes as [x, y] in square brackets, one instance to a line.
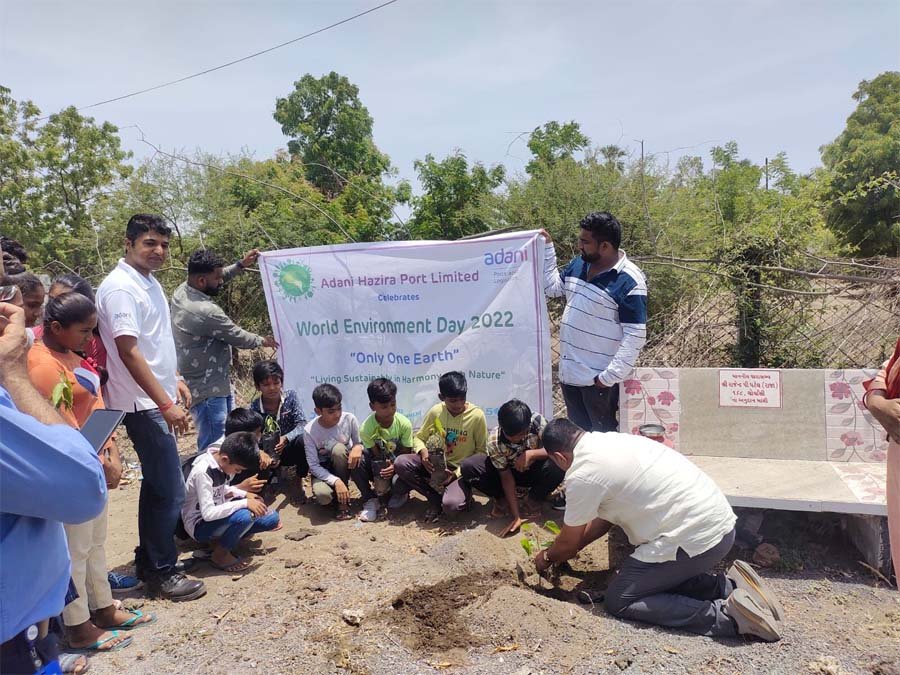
[166, 406]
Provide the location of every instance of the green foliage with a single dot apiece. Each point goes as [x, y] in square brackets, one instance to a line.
[62, 394]
[330, 131]
[456, 199]
[869, 147]
[554, 142]
[532, 540]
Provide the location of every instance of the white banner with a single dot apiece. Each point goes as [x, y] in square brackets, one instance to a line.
[410, 311]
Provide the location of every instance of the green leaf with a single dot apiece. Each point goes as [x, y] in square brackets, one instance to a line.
[526, 527]
[527, 545]
[547, 544]
[552, 526]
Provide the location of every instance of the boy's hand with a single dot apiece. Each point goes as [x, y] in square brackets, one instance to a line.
[282, 442]
[257, 507]
[264, 460]
[523, 461]
[513, 527]
[423, 453]
[546, 236]
[343, 494]
[354, 457]
[387, 472]
[252, 484]
[112, 470]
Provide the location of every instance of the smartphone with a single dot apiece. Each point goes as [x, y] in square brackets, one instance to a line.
[100, 426]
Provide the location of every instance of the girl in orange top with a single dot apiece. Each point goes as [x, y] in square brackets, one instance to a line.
[883, 401]
[93, 622]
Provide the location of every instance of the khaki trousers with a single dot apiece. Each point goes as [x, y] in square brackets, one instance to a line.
[87, 548]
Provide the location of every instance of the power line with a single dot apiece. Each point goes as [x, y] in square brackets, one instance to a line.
[236, 61]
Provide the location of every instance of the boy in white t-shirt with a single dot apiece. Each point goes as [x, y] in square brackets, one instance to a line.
[328, 440]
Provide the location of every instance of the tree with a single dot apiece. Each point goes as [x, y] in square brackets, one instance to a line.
[330, 131]
[554, 142]
[455, 199]
[868, 147]
[613, 157]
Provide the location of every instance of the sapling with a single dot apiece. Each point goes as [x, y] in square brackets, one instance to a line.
[532, 543]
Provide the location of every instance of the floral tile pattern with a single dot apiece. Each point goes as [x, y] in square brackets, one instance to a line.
[651, 396]
[868, 482]
[851, 434]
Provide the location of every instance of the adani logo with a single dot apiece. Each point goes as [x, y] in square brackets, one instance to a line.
[506, 257]
[293, 280]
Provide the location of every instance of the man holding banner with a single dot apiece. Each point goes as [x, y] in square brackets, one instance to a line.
[603, 326]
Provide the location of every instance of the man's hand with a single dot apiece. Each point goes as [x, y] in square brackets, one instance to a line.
[546, 236]
[256, 505]
[250, 258]
[354, 457]
[252, 484]
[523, 461]
[281, 444]
[387, 472]
[265, 460]
[343, 494]
[184, 395]
[13, 343]
[269, 342]
[513, 527]
[541, 562]
[598, 383]
[177, 419]
[423, 453]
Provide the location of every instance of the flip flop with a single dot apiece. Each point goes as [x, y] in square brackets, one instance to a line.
[343, 514]
[133, 622]
[96, 648]
[239, 565]
[68, 663]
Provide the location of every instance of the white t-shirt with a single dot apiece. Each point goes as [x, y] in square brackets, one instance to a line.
[319, 442]
[659, 498]
[128, 303]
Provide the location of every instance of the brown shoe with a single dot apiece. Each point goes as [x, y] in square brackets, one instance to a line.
[746, 578]
[751, 617]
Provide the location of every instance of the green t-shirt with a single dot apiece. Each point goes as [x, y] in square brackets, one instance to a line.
[400, 433]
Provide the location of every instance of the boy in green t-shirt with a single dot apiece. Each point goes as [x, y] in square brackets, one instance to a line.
[384, 435]
[452, 430]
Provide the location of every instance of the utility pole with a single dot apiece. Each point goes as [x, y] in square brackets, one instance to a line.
[767, 174]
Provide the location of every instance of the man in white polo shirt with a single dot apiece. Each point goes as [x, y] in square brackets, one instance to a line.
[680, 522]
[133, 316]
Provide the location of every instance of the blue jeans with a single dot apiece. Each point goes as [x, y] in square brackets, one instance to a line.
[162, 489]
[235, 527]
[209, 418]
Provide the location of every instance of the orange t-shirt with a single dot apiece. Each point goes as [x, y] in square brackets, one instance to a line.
[46, 368]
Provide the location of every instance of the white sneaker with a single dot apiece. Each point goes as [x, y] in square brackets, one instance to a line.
[751, 617]
[369, 512]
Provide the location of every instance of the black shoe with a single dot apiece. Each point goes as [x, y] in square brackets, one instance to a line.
[559, 501]
[176, 587]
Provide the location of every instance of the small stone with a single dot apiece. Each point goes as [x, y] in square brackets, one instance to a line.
[290, 564]
[353, 617]
[299, 535]
[766, 555]
[344, 545]
[623, 663]
[372, 538]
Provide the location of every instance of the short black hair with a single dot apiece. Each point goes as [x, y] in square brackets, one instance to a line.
[514, 417]
[603, 226]
[76, 284]
[243, 419]
[263, 370]
[453, 384]
[240, 447]
[381, 390]
[141, 223]
[26, 281]
[560, 435]
[204, 261]
[68, 309]
[326, 396]
[15, 250]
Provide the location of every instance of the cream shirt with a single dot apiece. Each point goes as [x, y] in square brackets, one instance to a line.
[659, 498]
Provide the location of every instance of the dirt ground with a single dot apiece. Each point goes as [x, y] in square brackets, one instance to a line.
[448, 598]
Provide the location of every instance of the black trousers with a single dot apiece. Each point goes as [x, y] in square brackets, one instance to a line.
[542, 477]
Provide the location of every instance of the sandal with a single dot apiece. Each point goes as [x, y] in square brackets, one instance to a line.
[70, 663]
[239, 565]
[97, 647]
[134, 621]
[343, 514]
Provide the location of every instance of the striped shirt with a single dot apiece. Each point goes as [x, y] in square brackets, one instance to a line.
[604, 324]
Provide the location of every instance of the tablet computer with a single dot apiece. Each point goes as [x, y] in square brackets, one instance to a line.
[100, 426]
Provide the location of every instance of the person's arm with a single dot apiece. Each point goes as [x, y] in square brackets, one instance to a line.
[886, 411]
[426, 429]
[250, 258]
[136, 364]
[112, 464]
[569, 542]
[509, 491]
[297, 415]
[209, 510]
[312, 459]
[480, 433]
[216, 324]
[554, 284]
[633, 319]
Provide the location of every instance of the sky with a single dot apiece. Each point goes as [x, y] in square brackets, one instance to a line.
[464, 74]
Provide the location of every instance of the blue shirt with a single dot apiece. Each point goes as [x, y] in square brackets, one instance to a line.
[49, 475]
[604, 324]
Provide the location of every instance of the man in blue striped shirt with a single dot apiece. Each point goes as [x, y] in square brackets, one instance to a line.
[603, 326]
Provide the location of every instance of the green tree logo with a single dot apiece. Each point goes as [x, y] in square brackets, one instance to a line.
[294, 281]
